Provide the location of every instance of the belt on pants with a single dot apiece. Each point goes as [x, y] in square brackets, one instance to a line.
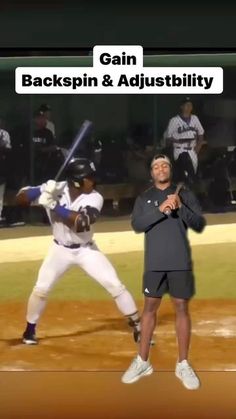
[73, 246]
[183, 148]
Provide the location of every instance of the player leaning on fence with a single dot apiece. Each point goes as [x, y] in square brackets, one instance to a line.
[186, 136]
[168, 265]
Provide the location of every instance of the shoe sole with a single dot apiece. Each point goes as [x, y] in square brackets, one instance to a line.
[29, 342]
[186, 386]
[147, 372]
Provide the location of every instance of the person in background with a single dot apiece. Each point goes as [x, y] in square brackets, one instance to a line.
[47, 111]
[5, 147]
[186, 136]
[43, 147]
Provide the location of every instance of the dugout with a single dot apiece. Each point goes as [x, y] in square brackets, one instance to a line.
[116, 117]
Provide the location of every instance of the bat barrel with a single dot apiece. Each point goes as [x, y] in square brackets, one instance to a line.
[83, 132]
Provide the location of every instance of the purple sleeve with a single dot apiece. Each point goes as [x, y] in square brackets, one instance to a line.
[33, 193]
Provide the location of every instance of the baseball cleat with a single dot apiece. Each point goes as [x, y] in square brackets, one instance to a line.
[137, 369]
[186, 374]
[29, 339]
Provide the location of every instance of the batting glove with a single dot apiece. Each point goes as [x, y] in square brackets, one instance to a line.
[54, 188]
[47, 201]
[51, 186]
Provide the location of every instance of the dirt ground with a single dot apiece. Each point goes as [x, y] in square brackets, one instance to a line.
[101, 395]
[81, 336]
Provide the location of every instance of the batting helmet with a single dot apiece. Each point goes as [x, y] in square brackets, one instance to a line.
[79, 169]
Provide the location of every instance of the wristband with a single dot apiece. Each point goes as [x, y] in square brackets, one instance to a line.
[33, 193]
[62, 211]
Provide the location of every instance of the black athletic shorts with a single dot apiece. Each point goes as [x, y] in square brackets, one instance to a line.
[179, 284]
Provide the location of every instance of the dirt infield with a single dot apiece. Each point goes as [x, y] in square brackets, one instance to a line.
[92, 336]
[101, 395]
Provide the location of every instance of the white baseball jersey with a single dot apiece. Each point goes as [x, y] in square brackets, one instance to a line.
[63, 234]
[51, 126]
[87, 257]
[180, 129]
[5, 138]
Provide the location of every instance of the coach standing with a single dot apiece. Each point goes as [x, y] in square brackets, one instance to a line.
[186, 135]
[168, 265]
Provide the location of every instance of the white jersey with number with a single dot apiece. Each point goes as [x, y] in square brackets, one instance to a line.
[63, 234]
[189, 130]
[180, 129]
[60, 258]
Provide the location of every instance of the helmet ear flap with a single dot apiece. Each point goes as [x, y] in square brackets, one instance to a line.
[77, 183]
[79, 169]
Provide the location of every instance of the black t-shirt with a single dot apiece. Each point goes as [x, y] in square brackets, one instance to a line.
[166, 244]
[42, 138]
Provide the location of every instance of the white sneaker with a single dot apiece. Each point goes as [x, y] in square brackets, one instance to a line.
[136, 370]
[187, 375]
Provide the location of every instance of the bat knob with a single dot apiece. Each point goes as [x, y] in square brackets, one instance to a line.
[167, 211]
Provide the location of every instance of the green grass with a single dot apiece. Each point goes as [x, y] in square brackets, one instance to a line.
[214, 268]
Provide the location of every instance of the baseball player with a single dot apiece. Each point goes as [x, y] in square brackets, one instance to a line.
[5, 147]
[185, 134]
[47, 111]
[73, 207]
[164, 217]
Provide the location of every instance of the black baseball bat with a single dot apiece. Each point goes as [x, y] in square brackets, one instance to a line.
[178, 188]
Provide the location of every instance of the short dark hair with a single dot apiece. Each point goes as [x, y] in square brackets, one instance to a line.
[45, 107]
[186, 100]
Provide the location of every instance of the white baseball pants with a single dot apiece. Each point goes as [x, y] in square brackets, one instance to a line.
[192, 154]
[93, 262]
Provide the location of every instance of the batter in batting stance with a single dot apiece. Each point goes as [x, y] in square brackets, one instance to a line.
[73, 207]
[164, 217]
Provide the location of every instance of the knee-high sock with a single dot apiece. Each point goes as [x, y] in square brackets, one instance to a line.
[126, 304]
